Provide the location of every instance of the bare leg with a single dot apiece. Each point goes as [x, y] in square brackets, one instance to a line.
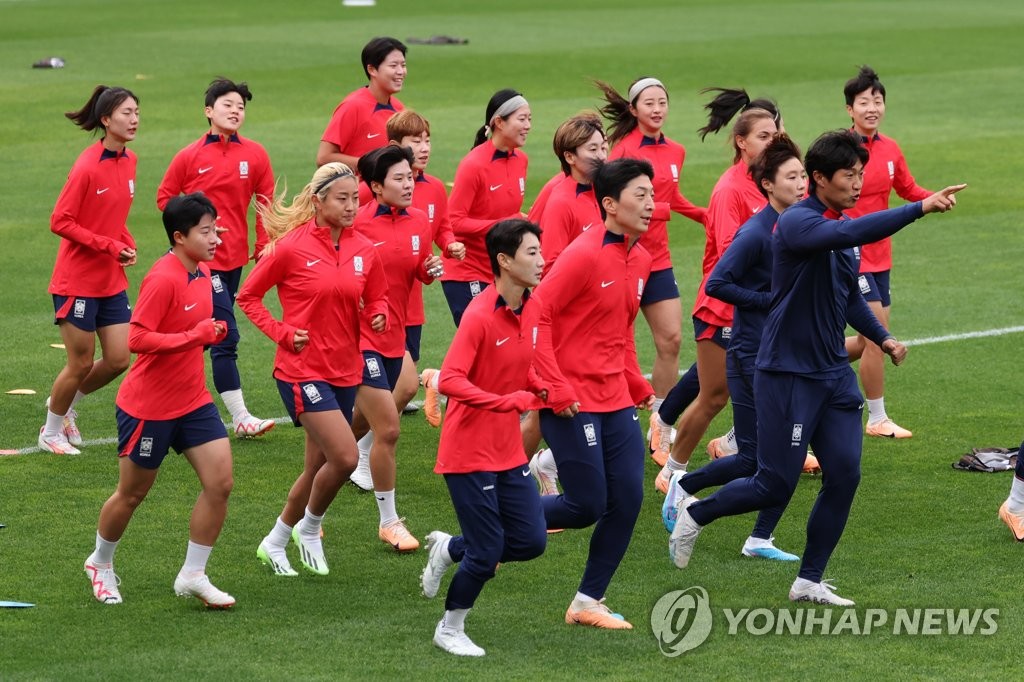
[714, 394]
[665, 319]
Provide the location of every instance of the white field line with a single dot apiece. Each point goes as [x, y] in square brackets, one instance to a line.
[1003, 331]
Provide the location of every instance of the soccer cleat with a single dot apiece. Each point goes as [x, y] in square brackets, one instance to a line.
[817, 593]
[104, 582]
[199, 586]
[57, 444]
[455, 641]
[766, 549]
[398, 536]
[311, 556]
[252, 427]
[811, 465]
[684, 535]
[1014, 521]
[887, 428]
[411, 407]
[661, 481]
[547, 480]
[361, 476]
[432, 398]
[278, 561]
[598, 616]
[669, 508]
[719, 448]
[71, 431]
[660, 439]
[438, 563]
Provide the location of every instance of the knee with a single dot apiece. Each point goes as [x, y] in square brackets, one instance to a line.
[715, 399]
[118, 362]
[387, 433]
[79, 368]
[228, 345]
[130, 498]
[220, 489]
[404, 392]
[534, 545]
[589, 509]
[667, 342]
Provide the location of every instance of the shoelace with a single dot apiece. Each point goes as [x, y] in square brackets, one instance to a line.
[399, 529]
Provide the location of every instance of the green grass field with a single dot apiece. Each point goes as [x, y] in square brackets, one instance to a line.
[920, 535]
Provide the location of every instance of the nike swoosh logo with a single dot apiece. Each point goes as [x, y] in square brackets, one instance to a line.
[636, 417]
[379, 243]
[190, 307]
[587, 226]
[381, 499]
[311, 263]
[101, 191]
[607, 284]
[205, 170]
[501, 341]
[370, 136]
[526, 473]
[494, 187]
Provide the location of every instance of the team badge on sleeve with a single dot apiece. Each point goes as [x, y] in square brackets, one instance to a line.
[640, 288]
[430, 212]
[675, 172]
[534, 337]
[131, 187]
[522, 185]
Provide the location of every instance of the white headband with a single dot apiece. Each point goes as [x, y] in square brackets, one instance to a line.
[642, 85]
[505, 109]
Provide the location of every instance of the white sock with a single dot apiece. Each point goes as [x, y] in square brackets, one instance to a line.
[876, 411]
[386, 505]
[196, 557]
[730, 439]
[104, 552]
[582, 601]
[54, 424]
[279, 535]
[1016, 499]
[657, 405]
[674, 466]
[235, 403]
[454, 619]
[310, 525]
[365, 443]
[546, 460]
[802, 584]
[78, 396]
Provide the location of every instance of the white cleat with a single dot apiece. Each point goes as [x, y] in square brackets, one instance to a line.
[455, 641]
[684, 535]
[276, 559]
[57, 444]
[438, 563]
[252, 427]
[199, 586]
[817, 593]
[311, 551]
[71, 431]
[104, 582]
[546, 479]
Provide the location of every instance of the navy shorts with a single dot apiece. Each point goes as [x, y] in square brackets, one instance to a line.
[459, 294]
[89, 314]
[316, 396]
[661, 286]
[702, 331]
[875, 287]
[147, 441]
[413, 337]
[379, 371]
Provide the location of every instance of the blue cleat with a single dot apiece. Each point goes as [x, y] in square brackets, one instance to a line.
[670, 505]
[766, 549]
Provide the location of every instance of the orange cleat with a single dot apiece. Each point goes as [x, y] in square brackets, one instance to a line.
[1015, 522]
[431, 401]
[597, 616]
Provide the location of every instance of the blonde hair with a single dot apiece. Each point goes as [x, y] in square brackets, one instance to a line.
[279, 219]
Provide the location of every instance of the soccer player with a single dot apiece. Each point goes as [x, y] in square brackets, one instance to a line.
[734, 200]
[568, 210]
[490, 183]
[163, 403]
[721, 110]
[804, 389]
[329, 279]
[885, 171]
[586, 358]
[358, 123]
[742, 278]
[231, 171]
[488, 380]
[636, 122]
[410, 129]
[402, 235]
[89, 284]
